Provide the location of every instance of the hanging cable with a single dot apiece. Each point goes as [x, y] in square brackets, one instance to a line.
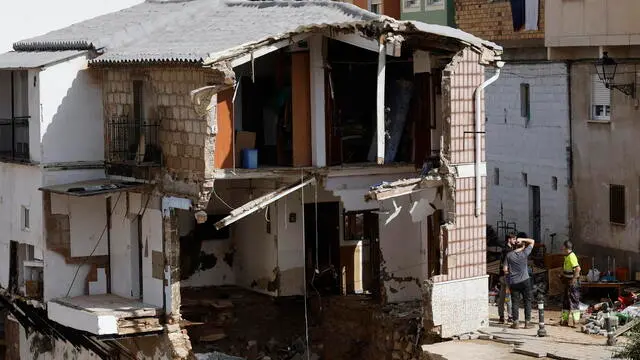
[304, 260]
[316, 214]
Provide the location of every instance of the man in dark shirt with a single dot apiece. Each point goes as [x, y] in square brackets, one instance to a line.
[516, 267]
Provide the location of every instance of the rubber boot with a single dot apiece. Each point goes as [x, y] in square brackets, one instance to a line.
[575, 316]
[564, 320]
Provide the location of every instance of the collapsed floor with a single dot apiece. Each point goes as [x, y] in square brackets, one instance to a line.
[245, 324]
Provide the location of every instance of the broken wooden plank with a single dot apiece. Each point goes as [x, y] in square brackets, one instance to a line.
[186, 323]
[214, 335]
[628, 326]
[140, 325]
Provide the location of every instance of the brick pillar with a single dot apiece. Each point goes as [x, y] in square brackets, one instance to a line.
[177, 338]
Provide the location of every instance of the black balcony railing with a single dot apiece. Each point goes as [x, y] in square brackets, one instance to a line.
[134, 142]
[14, 138]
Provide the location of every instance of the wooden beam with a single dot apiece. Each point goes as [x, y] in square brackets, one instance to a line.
[223, 155]
[301, 108]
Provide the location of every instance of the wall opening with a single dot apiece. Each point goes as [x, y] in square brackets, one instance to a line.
[351, 80]
[323, 261]
[525, 103]
[262, 114]
[360, 253]
[617, 204]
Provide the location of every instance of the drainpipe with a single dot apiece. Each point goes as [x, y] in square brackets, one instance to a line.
[380, 130]
[478, 121]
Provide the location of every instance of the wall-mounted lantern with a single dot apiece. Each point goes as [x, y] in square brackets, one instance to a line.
[606, 69]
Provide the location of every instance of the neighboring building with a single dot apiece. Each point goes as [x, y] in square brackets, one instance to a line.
[248, 157]
[604, 124]
[441, 12]
[527, 125]
[389, 8]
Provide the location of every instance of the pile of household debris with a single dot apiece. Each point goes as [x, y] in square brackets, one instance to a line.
[270, 351]
[623, 315]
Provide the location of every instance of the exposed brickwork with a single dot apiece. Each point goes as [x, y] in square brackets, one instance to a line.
[167, 100]
[492, 20]
[465, 236]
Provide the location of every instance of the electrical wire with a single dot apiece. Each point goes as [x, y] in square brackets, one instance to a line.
[213, 189]
[304, 259]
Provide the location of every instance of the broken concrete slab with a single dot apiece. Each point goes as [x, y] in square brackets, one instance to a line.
[530, 352]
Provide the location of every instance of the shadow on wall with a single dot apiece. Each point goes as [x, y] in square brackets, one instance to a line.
[76, 130]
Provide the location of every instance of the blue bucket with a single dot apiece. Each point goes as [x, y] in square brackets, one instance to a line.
[250, 158]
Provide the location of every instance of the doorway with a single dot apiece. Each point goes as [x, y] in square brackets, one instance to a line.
[534, 212]
[360, 253]
[325, 255]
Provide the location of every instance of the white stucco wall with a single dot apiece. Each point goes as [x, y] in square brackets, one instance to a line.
[403, 244]
[539, 149]
[19, 187]
[38, 14]
[61, 349]
[152, 288]
[71, 99]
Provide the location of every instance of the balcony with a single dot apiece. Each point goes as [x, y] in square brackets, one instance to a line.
[14, 139]
[134, 142]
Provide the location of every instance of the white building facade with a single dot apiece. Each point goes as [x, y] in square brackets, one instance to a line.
[528, 141]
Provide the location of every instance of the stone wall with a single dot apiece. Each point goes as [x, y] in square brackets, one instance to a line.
[166, 101]
[492, 20]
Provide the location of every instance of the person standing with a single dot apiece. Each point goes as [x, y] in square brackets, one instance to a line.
[504, 296]
[570, 275]
[516, 268]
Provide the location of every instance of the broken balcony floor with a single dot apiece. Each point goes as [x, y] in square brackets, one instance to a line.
[105, 314]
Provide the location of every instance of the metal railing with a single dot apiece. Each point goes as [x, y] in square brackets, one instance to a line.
[134, 142]
[14, 138]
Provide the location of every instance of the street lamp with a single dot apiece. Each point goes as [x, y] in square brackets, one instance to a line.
[606, 69]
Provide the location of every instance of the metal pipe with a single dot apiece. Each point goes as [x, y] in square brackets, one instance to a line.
[13, 117]
[380, 130]
[542, 332]
[478, 126]
[611, 336]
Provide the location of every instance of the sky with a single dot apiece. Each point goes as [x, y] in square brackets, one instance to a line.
[27, 18]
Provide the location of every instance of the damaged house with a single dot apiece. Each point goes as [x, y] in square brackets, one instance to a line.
[250, 153]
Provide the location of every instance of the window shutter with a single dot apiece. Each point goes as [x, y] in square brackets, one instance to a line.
[600, 95]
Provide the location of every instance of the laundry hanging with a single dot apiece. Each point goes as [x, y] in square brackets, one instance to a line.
[518, 14]
[531, 14]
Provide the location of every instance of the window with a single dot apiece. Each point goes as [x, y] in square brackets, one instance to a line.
[411, 5]
[24, 217]
[600, 100]
[353, 226]
[617, 208]
[439, 3]
[525, 103]
[496, 176]
[375, 6]
[554, 183]
[137, 100]
[525, 179]
[14, 122]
